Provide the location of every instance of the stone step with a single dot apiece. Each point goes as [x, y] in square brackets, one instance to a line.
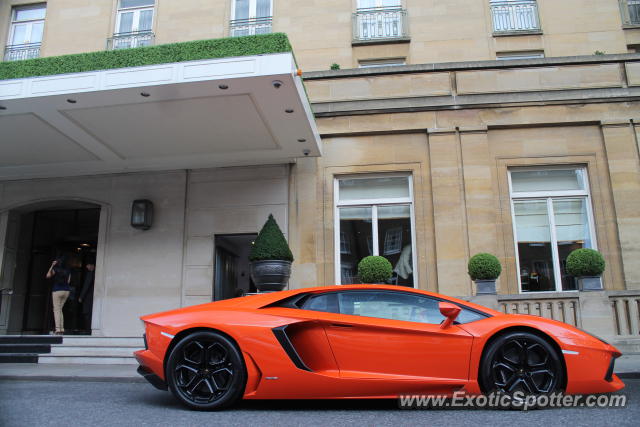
[81, 341]
[25, 348]
[30, 339]
[87, 360]
[19, 358]
[98, 351]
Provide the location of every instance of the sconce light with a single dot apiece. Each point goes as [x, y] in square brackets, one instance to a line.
[142, 214]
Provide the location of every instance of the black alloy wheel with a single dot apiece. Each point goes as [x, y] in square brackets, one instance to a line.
[205, 371]
[521, 362]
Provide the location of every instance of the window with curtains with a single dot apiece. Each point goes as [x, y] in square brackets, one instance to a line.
[374, 216]
[379, 19]
[25, 32]
[551, 217]
[134, 24]
[249, 17]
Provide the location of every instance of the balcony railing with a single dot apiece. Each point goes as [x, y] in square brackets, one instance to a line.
[250, 27]
[380, 24]
[630, 12]
[515, 16]
[128, 40]
[18, 52]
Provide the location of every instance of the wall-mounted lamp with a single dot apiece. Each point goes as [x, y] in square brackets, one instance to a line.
[142, 214]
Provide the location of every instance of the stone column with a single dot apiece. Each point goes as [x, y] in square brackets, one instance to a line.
[624, 169]
[449, 214]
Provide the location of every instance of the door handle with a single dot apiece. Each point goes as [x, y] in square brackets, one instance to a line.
[341, 325]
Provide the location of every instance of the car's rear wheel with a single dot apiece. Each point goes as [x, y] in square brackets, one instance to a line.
[205, 371]
[521, 362]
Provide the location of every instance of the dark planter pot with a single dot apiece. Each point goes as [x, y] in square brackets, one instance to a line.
[270, 275]
[590, 283]
[485, 287]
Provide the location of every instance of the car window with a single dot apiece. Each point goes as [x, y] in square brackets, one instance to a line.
[468, 316]
[323, 302]
[385, 305]
[390, 305]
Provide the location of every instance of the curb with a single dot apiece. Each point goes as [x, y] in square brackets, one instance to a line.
[78, 379]
[628, 375]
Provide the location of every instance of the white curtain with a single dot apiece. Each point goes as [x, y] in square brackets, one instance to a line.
[532, 221]
[263, 8]
[146, 19]
[571, 220]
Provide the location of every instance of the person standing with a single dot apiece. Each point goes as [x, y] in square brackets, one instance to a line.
[61, 276]
[86, 294]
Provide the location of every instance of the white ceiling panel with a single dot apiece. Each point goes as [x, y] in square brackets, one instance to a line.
[26, 139]
[180, 127]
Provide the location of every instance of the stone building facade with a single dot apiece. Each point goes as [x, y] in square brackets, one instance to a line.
[446, 128]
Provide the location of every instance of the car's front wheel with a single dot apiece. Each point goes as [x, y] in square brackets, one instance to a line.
[205, 371]
[521, 362]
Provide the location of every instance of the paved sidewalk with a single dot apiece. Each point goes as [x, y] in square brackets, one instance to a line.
[627, 366]
[70, 372]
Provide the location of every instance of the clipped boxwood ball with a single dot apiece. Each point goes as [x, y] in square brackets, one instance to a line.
[374, 269]
[484, 266]
[585, 262]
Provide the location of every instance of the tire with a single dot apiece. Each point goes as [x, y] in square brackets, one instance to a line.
[205, 371]
[521, 362]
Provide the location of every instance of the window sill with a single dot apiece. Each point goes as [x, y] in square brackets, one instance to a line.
[517, 33]
[394, 40]
[631, 26]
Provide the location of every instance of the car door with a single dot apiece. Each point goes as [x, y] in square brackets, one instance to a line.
[383, 333]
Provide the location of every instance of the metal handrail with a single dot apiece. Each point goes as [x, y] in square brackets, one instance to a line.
[380, 23]
[18, 52]
[250, 26]
[130, 39]
[515, 16]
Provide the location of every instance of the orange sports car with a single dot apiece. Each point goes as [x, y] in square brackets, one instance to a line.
[364, 341]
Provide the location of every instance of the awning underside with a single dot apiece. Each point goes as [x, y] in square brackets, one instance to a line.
[209, 113]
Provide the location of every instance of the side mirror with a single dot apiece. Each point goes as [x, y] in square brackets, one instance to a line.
[450, 312]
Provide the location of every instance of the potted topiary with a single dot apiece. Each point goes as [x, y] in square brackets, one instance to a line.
[270, 258]
[484, 269]
[374, 269]
[587, 265]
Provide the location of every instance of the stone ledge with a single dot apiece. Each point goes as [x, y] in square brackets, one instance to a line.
[472, 65]
[491, 100]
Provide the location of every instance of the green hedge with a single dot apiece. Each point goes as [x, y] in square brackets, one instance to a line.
[585, 262]
[270, 244]
[484, 266]
[161, 54]
[374, 269]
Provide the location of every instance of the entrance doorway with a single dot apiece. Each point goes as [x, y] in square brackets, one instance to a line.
[47, 232]
[232, 277]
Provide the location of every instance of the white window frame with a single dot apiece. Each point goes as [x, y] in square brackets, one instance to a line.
[136, 17]
[549, 197]
[29, 23]
[379, 5]
[253, 7]
[373, 204]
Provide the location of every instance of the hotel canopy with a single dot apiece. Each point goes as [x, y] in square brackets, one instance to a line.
[209, 103]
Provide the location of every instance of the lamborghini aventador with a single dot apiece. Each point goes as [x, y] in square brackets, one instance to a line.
[364, 341]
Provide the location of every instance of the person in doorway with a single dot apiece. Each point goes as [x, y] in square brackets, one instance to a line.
[86, 294]
[61, 276]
